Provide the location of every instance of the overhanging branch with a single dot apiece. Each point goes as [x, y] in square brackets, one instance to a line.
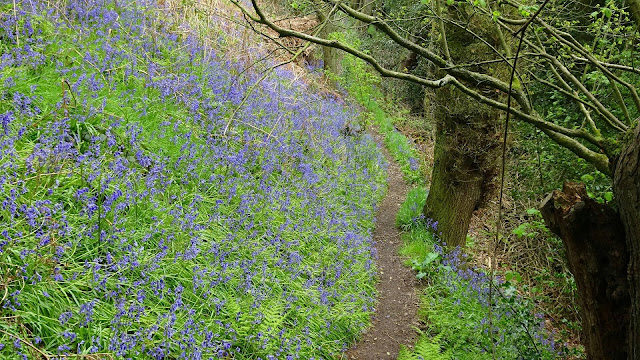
[284, 32]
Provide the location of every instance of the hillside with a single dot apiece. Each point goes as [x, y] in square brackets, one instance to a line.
[158, 201]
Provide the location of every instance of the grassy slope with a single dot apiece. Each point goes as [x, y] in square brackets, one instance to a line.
[132, 225]
[360, 83]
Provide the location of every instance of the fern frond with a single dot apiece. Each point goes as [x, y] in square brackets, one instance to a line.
[426, 349]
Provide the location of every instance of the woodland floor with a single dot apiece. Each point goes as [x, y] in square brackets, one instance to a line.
[395, 317]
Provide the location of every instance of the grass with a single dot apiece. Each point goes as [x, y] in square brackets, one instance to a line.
[361, 84]
[455, 302]
[134, 225]
[411, 209]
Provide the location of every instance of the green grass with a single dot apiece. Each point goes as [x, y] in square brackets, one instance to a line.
[410, 211]
[455, 303]
[362, 85]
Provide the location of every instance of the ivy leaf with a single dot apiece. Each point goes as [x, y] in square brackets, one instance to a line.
[450, 2]
[586, 178]
[495, 15]
[533, 211]
[606, 12]
[608, 196]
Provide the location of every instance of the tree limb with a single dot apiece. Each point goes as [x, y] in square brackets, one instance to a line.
[261, 18]
[600, 161]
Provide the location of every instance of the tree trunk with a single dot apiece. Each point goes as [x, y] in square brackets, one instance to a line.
[451, 200]
[465, 166]
[634, 9]
[468, 138]
[332, 63]
[626, 187]
[331, 58]
[594, 240]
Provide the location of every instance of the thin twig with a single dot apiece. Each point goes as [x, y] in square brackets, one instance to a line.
[492, 261]
[268, 72]
[46, 356]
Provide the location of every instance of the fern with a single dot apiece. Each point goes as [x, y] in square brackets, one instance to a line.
[239, 317]
[272, 319]
[426, 349]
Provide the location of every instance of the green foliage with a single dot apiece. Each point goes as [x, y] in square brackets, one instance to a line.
[598, 186]
[411, 209]
[455, 308]
[423, 266]
[542, 274]
[532, 228]
[363, 86]
[527, 10]
[427, 348]
[355, 78]
[417, 245]
[541, 166]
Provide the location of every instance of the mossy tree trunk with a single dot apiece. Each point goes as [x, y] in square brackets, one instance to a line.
[331, 57]
[451, 200]
[468, 137]
[464, 170]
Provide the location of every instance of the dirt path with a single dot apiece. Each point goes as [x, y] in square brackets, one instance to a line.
[395, 317]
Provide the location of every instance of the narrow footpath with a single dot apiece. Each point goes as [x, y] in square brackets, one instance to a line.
[395, 317]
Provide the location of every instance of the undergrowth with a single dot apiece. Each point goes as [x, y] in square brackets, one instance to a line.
[455, 302]
[361, 84]
[142, 216]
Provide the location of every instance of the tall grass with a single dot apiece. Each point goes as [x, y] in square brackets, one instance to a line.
[362, 85]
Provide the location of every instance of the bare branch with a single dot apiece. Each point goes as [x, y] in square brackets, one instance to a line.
[600, 161]
[609, 65]
[470, 76]
[261, 18]
[533, 119]
[568, 40]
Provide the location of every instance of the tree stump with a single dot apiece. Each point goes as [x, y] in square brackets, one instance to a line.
[594, 240]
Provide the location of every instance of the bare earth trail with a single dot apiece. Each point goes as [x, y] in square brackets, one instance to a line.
[395, 317]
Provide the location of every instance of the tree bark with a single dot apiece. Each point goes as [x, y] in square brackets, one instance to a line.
[465, 166]
[451, 200]
[594, 240]
[331, 57]
[626, 187]
[468, 138]
[634, 9]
